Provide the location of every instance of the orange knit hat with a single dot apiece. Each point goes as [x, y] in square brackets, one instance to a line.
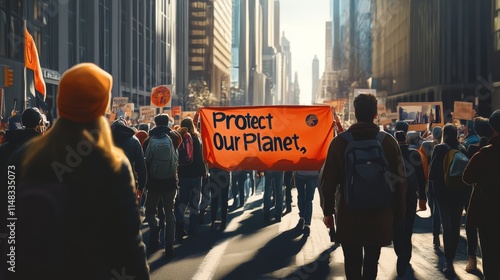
[84, 93]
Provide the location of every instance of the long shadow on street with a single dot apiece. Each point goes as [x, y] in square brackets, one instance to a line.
[280, 250]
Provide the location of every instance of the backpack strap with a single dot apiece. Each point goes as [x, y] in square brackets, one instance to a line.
[347, 135]
[381, 135]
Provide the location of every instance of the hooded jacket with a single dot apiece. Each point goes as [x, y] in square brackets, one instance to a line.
[124, 138]
[373, 228]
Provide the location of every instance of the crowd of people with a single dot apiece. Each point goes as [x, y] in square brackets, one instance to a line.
[86, 173]
[426, 160]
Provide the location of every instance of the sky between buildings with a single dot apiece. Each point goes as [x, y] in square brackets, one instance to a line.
[303, 23]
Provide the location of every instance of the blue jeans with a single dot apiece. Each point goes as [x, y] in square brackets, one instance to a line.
[306, 186]
[189, 196]
[275, 177]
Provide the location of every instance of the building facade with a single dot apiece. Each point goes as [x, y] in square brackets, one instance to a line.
[432, 51]
[132, 40]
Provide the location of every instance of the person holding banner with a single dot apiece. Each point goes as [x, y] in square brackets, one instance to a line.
[306, 183]
[273, 183]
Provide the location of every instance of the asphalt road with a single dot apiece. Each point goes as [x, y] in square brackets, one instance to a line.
[251, 249]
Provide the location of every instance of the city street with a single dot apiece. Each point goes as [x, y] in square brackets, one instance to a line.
[251, 249]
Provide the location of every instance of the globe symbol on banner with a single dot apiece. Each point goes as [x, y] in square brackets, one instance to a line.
[160, 96]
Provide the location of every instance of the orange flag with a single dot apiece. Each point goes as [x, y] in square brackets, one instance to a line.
[31, 61]
[266, 137]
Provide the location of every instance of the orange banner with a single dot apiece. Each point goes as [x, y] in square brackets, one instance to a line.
[283, 138]
[32, 62]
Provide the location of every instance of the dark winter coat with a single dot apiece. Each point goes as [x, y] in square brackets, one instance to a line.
[373, 228]
[94, 232]
[437, 187]
[416, 188]
[198, 167]
[124, 138]
[482, 170]
[14, 139]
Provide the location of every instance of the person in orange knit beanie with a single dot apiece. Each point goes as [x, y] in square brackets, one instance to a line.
[84, 93]
[83, 184]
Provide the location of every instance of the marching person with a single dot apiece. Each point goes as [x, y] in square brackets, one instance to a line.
[362, 234]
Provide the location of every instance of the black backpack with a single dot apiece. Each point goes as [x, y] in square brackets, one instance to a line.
[368, 183]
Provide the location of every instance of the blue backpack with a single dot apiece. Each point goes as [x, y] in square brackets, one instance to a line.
[368, 183]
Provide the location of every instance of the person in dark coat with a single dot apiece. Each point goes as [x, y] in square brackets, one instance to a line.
[416, 192]
[484, 132]
[93, 230]
[190, 184]
[358, 231]
[124, 138]
[450, 199]
[161, 194]
[15, 137]
[482, 171]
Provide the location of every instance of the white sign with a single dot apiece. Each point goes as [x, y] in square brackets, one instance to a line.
[147, 112]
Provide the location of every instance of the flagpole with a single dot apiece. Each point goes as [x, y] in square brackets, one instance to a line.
[24, 67]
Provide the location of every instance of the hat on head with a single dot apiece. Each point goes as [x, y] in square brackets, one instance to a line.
[494, 120]
[400, 136]
[402, 125]
[437, 132]
[162, 119]
[31, 117]
[84, 93]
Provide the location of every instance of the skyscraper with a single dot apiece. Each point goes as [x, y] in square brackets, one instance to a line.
[315, 78]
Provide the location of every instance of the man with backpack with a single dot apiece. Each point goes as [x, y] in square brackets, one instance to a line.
[161, 160]
[364, 220]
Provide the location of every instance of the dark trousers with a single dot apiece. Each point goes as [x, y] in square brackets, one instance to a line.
[435, 216]
[358, 266]
[490, 249]
[167, 197]
[288, 189]
[219, 188]
[451, 206]
[238, 187]
[404, 231]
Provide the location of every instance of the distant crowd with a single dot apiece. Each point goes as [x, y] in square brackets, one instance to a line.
[81, 190]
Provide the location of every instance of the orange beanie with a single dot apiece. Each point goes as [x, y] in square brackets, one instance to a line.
[84, 93]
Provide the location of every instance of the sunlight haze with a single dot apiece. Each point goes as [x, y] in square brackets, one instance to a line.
[303, 23]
